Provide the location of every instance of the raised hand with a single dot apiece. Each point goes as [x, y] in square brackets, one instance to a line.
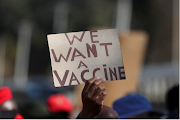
[92, 97]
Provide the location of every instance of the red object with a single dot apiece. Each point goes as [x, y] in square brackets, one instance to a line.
[58, 102]
[18, 116]
[5, 94]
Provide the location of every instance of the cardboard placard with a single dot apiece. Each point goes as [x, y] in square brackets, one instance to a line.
[78, 56]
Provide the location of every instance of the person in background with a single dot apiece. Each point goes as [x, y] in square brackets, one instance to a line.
[8, 107]
[92, 97]
[172, 102]
[107, 113]
[135, 106]
[59, 106]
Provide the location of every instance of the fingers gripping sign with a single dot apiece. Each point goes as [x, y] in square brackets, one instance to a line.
[92, 97]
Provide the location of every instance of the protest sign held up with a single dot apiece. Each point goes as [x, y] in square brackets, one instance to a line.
[78, 56]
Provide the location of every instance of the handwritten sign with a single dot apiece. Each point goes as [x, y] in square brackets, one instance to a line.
[78, 56]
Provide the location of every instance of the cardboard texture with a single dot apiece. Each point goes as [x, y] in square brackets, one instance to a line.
[78, 56]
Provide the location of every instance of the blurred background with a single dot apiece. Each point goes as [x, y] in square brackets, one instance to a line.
[149, 37]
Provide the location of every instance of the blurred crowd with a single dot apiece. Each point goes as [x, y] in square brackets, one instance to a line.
[132, 105]
[152, 27]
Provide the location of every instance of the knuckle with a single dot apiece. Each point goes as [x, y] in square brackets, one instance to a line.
[90, 82]
[102, 88]
[103, 80]
[88, 96]
[104, 93]
[95, 83]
